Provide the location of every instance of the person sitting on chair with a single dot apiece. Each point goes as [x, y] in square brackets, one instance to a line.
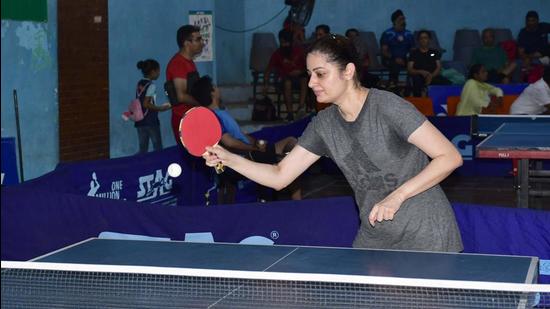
[235, 139]
[493, 58]
[289, 62]
[424, 66]
[396, 43]
[532, 40]
[535, 99]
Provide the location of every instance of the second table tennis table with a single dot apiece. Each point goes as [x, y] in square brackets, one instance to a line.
[522, 141]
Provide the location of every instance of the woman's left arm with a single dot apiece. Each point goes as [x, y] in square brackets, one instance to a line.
[445, 159]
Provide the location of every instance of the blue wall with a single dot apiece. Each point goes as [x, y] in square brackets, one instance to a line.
[29, 64]
[373, 15]
[230, 42]
[140, 29]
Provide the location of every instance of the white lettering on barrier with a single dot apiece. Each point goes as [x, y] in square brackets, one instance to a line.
[208, 237]
[461, 143]
[202, 237]
[114, 194]
[116, 185]
[154, 185]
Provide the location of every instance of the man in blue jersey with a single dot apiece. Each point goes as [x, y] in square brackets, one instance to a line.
[396, 43]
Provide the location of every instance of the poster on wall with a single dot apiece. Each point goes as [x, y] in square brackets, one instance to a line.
[25, 10]
[203, 20]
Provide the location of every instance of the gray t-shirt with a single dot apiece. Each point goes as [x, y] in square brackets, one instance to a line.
[375, 157]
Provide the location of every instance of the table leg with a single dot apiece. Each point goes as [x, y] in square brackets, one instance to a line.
[523, 184]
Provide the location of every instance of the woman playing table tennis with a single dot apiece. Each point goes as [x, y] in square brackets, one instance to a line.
[381, 143]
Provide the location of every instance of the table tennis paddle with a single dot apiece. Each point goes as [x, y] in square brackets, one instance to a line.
[200, 128]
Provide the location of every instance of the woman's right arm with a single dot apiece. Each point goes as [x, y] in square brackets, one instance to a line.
[496, 91]
[274, 176]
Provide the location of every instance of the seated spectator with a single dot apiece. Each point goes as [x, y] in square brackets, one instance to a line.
[424, 66]
[493, 58]
[475, 94]
[533, 44]
[396, 44]
[321, 31]
[233, 138]
[289, 63]
[535, 99]
[367, 79]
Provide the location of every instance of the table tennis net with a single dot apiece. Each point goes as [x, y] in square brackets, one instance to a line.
[51, 288]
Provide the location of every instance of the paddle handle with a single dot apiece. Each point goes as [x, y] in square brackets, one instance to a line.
[219, 168]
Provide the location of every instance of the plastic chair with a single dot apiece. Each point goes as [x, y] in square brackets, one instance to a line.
[465, 41]
[507, 102]
[466, 38]
[464, 55]
[504, 108]
[263, 46]
[452, 103]
[424, 105]
[502, 35]
[368, 42]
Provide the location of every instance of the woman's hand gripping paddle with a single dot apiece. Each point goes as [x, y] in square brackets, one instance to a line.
[200, 128]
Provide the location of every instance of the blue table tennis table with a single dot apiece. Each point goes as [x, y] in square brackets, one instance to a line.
[485, 124]
[174, 274]
[522, 141]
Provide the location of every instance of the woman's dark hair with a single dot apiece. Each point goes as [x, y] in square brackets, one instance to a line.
[426, 32]
[147, 66]
[202, 90]
[338, 50]
[474, 69]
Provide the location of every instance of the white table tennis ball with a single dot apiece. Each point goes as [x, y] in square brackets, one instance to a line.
[174, 170]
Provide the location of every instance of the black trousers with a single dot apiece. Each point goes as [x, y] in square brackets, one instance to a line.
[419, 83]
[394, 68]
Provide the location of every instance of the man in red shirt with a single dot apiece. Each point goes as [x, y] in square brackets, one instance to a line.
[289, 63]
[183, 72]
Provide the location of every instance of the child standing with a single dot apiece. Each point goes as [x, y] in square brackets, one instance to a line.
[149, 127]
